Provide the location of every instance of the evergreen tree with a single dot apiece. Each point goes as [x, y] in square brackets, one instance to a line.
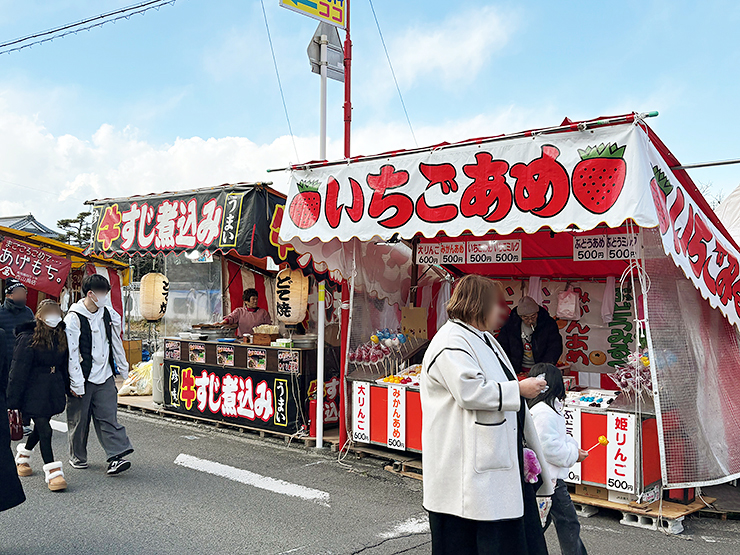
[76, 231]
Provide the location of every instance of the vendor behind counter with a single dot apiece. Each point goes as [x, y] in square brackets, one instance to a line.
[530, 336]
[250, 315]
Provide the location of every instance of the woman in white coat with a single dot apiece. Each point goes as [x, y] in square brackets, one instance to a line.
[474, 429]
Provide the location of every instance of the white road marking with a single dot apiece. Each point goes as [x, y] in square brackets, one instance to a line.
[413, 525]
[293, 550]
[592, 528]
[59, 426]
[709, 539]
[252, 479]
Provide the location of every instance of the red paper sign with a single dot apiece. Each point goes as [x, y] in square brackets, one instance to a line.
[34, 267]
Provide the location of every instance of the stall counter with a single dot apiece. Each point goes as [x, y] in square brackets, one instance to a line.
[251, 385]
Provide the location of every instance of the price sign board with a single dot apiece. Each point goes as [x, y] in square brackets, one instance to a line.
[589, 248]
[495, 252]
[428, 253]
[620, 452]
[397, 417]
[624, 246]
[572, 415]
[452, 253]
[361, 412]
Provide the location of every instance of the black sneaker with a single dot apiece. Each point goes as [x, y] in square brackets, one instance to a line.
[117, 466]
[79, 465]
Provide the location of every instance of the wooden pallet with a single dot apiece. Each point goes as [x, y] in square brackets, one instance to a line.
[667, 516]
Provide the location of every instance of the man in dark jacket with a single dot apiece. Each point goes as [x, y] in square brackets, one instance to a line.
[530, 336]
[13, 313]
[11, 492]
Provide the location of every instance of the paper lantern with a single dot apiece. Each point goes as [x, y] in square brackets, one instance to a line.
[291, 296]
[153, 295]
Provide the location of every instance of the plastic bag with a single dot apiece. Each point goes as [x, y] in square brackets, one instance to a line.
[544, 504]
[139, 381]
[569, 305]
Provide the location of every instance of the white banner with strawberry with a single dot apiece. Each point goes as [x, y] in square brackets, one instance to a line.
[582, 178]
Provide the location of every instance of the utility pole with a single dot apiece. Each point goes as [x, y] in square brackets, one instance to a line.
[347, 85]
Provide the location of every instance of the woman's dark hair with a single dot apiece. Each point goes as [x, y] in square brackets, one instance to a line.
[554, 379]
[249, 293]
[473, 298]
[94, 282]
[43, 335]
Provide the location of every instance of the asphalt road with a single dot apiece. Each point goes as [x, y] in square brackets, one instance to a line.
[232, 493]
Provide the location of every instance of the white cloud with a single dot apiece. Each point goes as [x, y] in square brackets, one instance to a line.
[52, 175]
[454, 50]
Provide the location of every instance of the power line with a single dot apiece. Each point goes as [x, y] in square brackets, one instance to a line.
[82, 25]
[56, 195]
[403, 104]
[280, 85]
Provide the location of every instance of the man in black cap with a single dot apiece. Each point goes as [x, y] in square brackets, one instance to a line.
[13, 313]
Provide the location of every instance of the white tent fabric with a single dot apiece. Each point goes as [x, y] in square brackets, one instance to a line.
[729, 214]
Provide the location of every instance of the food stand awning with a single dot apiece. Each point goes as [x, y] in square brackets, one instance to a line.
[593, 178]
[572, 178]
[242, 219]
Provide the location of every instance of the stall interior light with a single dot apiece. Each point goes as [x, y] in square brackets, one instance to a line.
[193, 255]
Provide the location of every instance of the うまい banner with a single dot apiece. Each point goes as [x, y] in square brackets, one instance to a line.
[581, 178]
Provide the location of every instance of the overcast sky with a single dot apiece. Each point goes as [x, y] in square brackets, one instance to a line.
[187, 96]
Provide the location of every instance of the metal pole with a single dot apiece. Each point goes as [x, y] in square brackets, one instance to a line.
[324, 60]
[320, 368]
[347, 87]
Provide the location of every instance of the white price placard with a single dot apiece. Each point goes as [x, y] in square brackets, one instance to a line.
[589, 248]
[452, 253]
[623, 246]
[428, 253]
[397, 417]
[620, 452]
[572, 416]
[495, 252]
[361, 412]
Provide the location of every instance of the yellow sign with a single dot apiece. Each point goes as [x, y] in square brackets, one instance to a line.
[329, 11]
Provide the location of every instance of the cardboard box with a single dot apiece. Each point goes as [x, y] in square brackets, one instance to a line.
[621, 497]
[597, 492]
[414, 321]
[133, 351]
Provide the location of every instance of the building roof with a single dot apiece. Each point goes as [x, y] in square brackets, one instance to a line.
[29, 224]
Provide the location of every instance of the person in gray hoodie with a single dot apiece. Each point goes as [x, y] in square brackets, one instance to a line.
[95, 351]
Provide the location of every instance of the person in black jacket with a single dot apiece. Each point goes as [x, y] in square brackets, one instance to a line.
[11, 492]
[13, 312]
[38, 385]
[531, 336]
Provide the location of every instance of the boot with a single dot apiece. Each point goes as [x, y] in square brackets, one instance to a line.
[22, 458]
[55, 476]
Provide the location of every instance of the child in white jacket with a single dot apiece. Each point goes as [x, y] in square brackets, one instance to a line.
[561, 452]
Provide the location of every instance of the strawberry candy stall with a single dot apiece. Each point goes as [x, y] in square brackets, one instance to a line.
[213, 244]
[588, 218]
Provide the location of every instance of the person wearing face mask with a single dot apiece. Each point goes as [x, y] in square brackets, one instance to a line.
[475, 429]
[561, 452]
[13, 313]
[95, 350]
[37, 386]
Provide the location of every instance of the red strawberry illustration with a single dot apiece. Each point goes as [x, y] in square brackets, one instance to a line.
[305, 207]
[661, 188]
[599, 177]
